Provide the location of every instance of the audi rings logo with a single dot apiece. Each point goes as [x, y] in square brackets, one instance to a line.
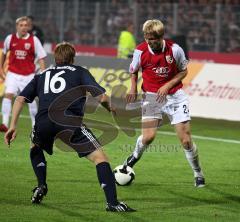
[161, 71]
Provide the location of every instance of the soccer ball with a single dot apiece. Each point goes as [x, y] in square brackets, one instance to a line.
[123, 175]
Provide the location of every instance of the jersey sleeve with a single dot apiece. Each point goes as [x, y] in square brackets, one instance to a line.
[30, 91]
[180, 57]
[6, 44]
[91, 85]
[39, 50]
[136, 61]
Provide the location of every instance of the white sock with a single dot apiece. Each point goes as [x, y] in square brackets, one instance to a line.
[192, 157]
[6, 110]
[139, 148]
[33, 111]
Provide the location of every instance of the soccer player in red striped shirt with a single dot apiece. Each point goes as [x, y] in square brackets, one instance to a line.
[164, 65]
[24, 48]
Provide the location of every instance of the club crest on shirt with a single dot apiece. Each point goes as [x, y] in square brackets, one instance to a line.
[27, 46]
[169, 59]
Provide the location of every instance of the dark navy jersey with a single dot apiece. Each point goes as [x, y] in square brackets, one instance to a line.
[56, 84]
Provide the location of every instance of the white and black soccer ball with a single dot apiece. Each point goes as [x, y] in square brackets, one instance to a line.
[123, 175]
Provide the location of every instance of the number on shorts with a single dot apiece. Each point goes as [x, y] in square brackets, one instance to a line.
[185, 109]
[51, 83]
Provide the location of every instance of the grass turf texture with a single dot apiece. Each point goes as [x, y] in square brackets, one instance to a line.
[163, 189]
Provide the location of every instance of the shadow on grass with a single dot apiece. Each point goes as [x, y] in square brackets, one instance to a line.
[67, 181]
[93, 211]
[181, 198]
[83, 211]
[65, 211]
[188, 200]
[225, 195]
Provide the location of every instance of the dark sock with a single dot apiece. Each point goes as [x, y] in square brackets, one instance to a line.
[39, 164]
[107, 182]
[131, 161]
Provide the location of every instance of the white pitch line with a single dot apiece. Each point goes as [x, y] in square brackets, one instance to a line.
[174, 134]
[24, 116]
[203, 137]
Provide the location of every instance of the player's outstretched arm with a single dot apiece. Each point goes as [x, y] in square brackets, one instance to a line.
[105, 102]
[2, 60]
[11, 134]
[132, 94]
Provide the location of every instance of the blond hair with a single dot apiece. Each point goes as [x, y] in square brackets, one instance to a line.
[20, 19]
[64, 53]
[154, 27]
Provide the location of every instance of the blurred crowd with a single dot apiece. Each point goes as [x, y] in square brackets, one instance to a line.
[207, 25]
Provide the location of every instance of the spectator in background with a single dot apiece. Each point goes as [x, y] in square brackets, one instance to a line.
[71, 33]
[181, 41]
[126, 43]
[35, 30]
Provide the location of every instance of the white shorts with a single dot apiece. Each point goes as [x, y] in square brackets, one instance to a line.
[15, 83]
[176, 107]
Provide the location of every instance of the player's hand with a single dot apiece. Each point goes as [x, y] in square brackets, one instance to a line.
[2, 74]
[2, 77]
[162, 93]
[113, 110]
[131, 97]
[10, 135]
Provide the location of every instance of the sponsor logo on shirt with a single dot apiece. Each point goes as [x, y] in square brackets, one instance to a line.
[20, 54]
[161, 71]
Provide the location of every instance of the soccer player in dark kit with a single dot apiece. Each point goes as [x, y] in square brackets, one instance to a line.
[53, 85]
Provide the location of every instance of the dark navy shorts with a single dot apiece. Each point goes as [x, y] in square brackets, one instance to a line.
[78, 139]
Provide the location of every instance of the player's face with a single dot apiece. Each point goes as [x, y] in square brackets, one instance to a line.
[22, 28]
[155, 42]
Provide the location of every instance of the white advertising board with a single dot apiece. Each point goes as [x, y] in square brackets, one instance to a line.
[215, 92]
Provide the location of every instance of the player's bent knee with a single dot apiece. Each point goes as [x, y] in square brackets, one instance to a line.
[148, 139]
[97, 156]
[35, 150]
[186, 142]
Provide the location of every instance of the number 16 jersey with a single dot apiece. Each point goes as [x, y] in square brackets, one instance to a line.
[65, 86]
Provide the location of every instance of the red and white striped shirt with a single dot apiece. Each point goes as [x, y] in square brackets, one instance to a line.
[23, 52]
[158, 68]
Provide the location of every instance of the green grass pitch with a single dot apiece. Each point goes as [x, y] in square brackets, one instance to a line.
[163, 189]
